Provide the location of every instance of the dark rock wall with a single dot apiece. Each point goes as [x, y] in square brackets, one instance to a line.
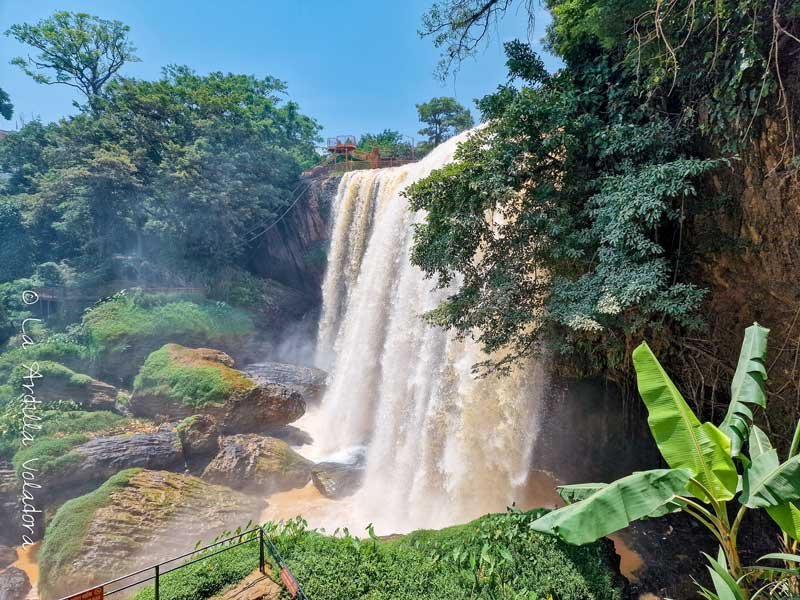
[294, 251]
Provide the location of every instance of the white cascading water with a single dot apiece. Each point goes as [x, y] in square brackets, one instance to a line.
[441, 445]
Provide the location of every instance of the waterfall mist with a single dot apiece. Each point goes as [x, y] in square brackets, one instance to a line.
[441, 445]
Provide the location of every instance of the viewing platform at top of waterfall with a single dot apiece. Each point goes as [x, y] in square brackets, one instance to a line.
[344, 153]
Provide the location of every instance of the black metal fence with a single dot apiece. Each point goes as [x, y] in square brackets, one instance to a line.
[156, 572]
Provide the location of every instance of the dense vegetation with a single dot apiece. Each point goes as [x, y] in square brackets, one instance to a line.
[496, 556]
[568, 214]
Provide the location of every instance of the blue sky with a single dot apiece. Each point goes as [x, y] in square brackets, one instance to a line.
[354, 65]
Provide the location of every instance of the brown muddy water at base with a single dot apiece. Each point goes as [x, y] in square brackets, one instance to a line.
[26, 561]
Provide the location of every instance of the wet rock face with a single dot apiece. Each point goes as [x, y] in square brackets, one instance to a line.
[257, 464]
[94, 395]
[7, 556]
[199, 435]
[14, 584]
[337, 480]
[9, 507]
[152, 516]
[100, 458]
[247, 407]
[307, 381]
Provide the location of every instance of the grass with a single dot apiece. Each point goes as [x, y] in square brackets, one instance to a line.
[494, 557]
[65, 533]
[128, 320]
[183, 375]
[50, 454]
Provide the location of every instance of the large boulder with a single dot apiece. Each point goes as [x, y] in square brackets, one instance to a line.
[337, 480]
[92, 462]
[135, 519]
[307, 381]
[258, 464]
[199, 435]
[14, 584]
[177, 382]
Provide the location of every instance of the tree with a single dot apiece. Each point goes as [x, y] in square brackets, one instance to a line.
[444, 118]
[6, 108]
[702, 477]
[388, 141]
[75, 49]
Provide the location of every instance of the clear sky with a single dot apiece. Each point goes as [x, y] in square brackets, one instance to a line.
[356, 66]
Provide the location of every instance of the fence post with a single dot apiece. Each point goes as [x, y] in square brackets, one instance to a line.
[157, 576]
[261, 550]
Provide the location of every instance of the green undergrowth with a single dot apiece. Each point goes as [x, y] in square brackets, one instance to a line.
[184, 375]
[60, 431]
[138, 319]
[50, 454]
[494, 557]
[65, 533]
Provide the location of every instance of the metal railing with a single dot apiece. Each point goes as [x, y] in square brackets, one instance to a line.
[156, 572]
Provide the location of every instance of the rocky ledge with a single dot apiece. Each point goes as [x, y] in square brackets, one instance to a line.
[177, 382]
[307, 381]
[258, 464]
[137, 518]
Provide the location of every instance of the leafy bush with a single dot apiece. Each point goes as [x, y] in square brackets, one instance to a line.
[182, 375]
[65, 533]
[145, 319]
[496, 556]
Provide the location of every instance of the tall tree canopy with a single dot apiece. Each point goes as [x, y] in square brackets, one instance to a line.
[564, 217]
[444, 117]
[6, 108]
[180, 169]
[74, 49]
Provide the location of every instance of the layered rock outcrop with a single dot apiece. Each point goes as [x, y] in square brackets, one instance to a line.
[177, 382]
[257, 464]
[135, 519]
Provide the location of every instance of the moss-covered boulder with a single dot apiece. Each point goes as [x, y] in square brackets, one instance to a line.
[176, 382]
[199, 435]
[135, 519]
[257, 464]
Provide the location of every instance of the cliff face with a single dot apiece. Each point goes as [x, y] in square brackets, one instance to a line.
[752, 272]
[294, 251]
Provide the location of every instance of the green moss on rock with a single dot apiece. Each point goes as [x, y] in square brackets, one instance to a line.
[194, 377]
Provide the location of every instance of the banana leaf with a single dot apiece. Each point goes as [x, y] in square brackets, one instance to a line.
[683, 441]
[787, 516]
[768, 482]
[758, 443]
[747, 387]
[614, 506]
[578, 491]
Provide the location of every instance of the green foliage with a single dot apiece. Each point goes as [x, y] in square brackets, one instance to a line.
[444, 117]
[15, 246]
[75, 49]
[140, 321]
[497, 556]
[167, 173]
[66, 532]
[704, 455]
[6, 108]
[175, 373]
[389, 143]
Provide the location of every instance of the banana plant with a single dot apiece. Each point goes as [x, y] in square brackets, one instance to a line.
[708, 469]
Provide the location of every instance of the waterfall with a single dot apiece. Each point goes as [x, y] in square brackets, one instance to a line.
[441, 445]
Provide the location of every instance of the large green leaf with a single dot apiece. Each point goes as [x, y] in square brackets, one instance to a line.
[683, 441]
[747, 387]
[758, 443]
[768, 482]
[615, 506]
[787, 516]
